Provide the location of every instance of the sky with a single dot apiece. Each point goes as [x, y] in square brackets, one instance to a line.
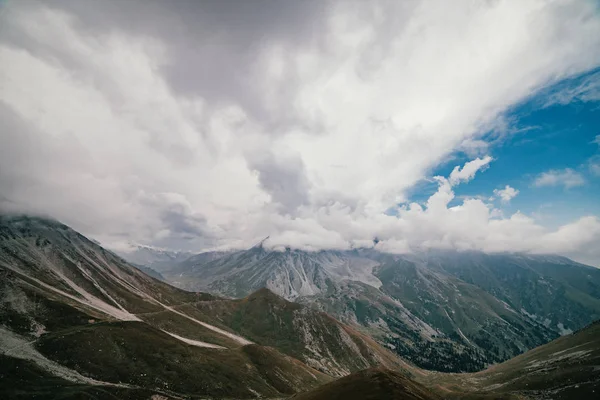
[195, 125]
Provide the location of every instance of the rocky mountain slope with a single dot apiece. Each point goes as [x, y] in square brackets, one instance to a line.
[290, 274]
[561, 294]
[81, 314]
[450, 311]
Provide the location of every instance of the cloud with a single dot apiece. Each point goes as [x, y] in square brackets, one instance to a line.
[474, 225]
[305, 121]
[594, 166]
[566, 177]
[581, 89]
[593, 163]
[506, 194]
[283, 177]
[469, 170]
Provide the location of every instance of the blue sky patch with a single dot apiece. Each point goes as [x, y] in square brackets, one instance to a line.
[556, 130]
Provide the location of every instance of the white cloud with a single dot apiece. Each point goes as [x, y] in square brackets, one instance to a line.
[94, 133]
[586, 89]
[595, 167]
[469, 170]
[506, 194]
[471, 225]
[566, 177]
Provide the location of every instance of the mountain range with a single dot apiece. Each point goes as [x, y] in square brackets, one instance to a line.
[443, 310]
[81, 313]
[153, 257]
[78, 321]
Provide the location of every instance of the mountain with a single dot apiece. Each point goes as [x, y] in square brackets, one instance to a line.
[483, 329]
[449, 311]
[153, 257]
[561, 294]
[308, 335]
[566, 368]
[290, 274]
[371, 384]
[75, 313]
[130, 355]
[77, 321]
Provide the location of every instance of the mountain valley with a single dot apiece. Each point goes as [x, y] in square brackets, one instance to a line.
[78, 321]
[447, 311]
[299, 200]
[84, 315]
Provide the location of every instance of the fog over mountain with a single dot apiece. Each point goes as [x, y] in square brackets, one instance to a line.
[195, 125]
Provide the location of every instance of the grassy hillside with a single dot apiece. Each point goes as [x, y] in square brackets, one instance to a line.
[297, 330]
[371, 384]
[566, 368]
[24, 380]
[135, 354]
